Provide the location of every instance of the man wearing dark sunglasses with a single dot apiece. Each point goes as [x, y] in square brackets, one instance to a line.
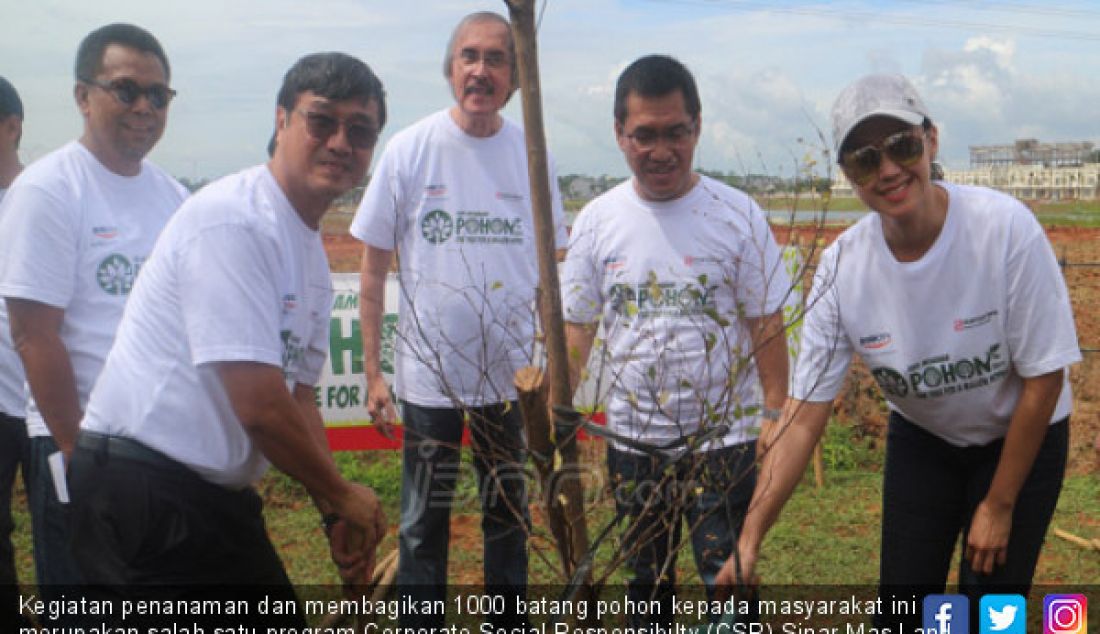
[212, 376]
[77, 226]
[451, 196]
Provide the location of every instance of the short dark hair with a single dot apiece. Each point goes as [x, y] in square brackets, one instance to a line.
[10, 104]
[335, 76]
[332, 75]
[656, 76]
[89, 57]
[473, 18]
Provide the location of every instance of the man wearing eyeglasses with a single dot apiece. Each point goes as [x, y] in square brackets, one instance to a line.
[451, 197]
[688, 282]
[77, 226]
[212, 375]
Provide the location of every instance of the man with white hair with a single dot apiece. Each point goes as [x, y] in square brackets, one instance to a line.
[451, 197]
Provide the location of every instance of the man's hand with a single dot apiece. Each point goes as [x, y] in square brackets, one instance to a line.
[728, 582]
[372, 297]
[987, 539]
[354, 560]
[355, 538]
[380, 407]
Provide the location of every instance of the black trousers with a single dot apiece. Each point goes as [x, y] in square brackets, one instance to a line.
[146, 527]
[929, 494]
[13, 458]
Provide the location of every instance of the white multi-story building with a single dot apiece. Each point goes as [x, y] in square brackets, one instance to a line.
[1035, 182]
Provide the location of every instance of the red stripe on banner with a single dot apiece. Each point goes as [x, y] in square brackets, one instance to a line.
[362, 438]
[368, 438]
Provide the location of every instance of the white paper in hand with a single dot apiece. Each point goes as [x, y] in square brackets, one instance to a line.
[57, 472]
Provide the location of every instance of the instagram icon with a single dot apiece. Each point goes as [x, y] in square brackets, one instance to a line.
[1065, 614]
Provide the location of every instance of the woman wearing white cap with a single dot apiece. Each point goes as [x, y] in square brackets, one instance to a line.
[954, 300]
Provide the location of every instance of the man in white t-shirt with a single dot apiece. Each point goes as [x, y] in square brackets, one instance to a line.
[451, 196]
[13, 404]
[77, 226]
[688, 282]
[212, 374]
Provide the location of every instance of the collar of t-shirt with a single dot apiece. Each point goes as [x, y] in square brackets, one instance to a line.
[281, 203]
[691, 199]
[115, 181]
[458, 134]
[942, 243]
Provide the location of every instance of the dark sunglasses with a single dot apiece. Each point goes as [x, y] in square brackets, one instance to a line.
[128, 91]
[861, 165]
[321, 127]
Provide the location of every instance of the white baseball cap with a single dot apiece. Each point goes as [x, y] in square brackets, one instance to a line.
[875, 95]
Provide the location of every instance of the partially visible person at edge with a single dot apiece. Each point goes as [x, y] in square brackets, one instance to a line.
[212, 374]
[13, 405]
[953, 298]
[77, 225]
[451, 196]
[673, 229]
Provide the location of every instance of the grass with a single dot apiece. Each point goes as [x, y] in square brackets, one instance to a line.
[1074, 213]
[824, 536]
[806, 202]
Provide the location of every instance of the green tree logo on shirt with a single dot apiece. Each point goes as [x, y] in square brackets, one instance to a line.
[437, 226]
[891, 381]
[115, 275]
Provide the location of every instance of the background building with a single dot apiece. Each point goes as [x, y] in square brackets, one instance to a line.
[1027, 169]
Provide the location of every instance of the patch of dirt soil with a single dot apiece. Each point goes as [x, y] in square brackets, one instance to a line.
[344, 252]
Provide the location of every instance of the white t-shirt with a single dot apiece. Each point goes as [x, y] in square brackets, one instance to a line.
[12, 401]
[236, 276]
[947, 337]
[672, 283]
[457, 209]
[75, 235]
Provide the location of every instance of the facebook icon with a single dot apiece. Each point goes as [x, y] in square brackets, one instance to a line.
[946, 614]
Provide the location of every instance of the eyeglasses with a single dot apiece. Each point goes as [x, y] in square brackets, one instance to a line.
[128, 91]
[645, 139]
[861, 166]
[322, 126]
[492, 59]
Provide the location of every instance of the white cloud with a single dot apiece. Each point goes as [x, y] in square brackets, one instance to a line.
[767, 78]
[1003, 50]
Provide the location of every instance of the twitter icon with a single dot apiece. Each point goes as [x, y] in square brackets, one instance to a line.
[1002, 614]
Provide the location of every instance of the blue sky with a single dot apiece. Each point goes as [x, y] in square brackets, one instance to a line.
[990, 72]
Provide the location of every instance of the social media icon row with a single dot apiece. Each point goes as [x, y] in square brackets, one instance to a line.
[1004, 614]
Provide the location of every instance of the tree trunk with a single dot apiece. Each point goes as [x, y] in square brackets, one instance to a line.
[566, 486]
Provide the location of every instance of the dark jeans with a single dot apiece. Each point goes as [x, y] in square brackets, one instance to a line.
[433, 437]
[929, 494]
[53, 562]
[13, 455]
[151, 528]
[712, 491]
